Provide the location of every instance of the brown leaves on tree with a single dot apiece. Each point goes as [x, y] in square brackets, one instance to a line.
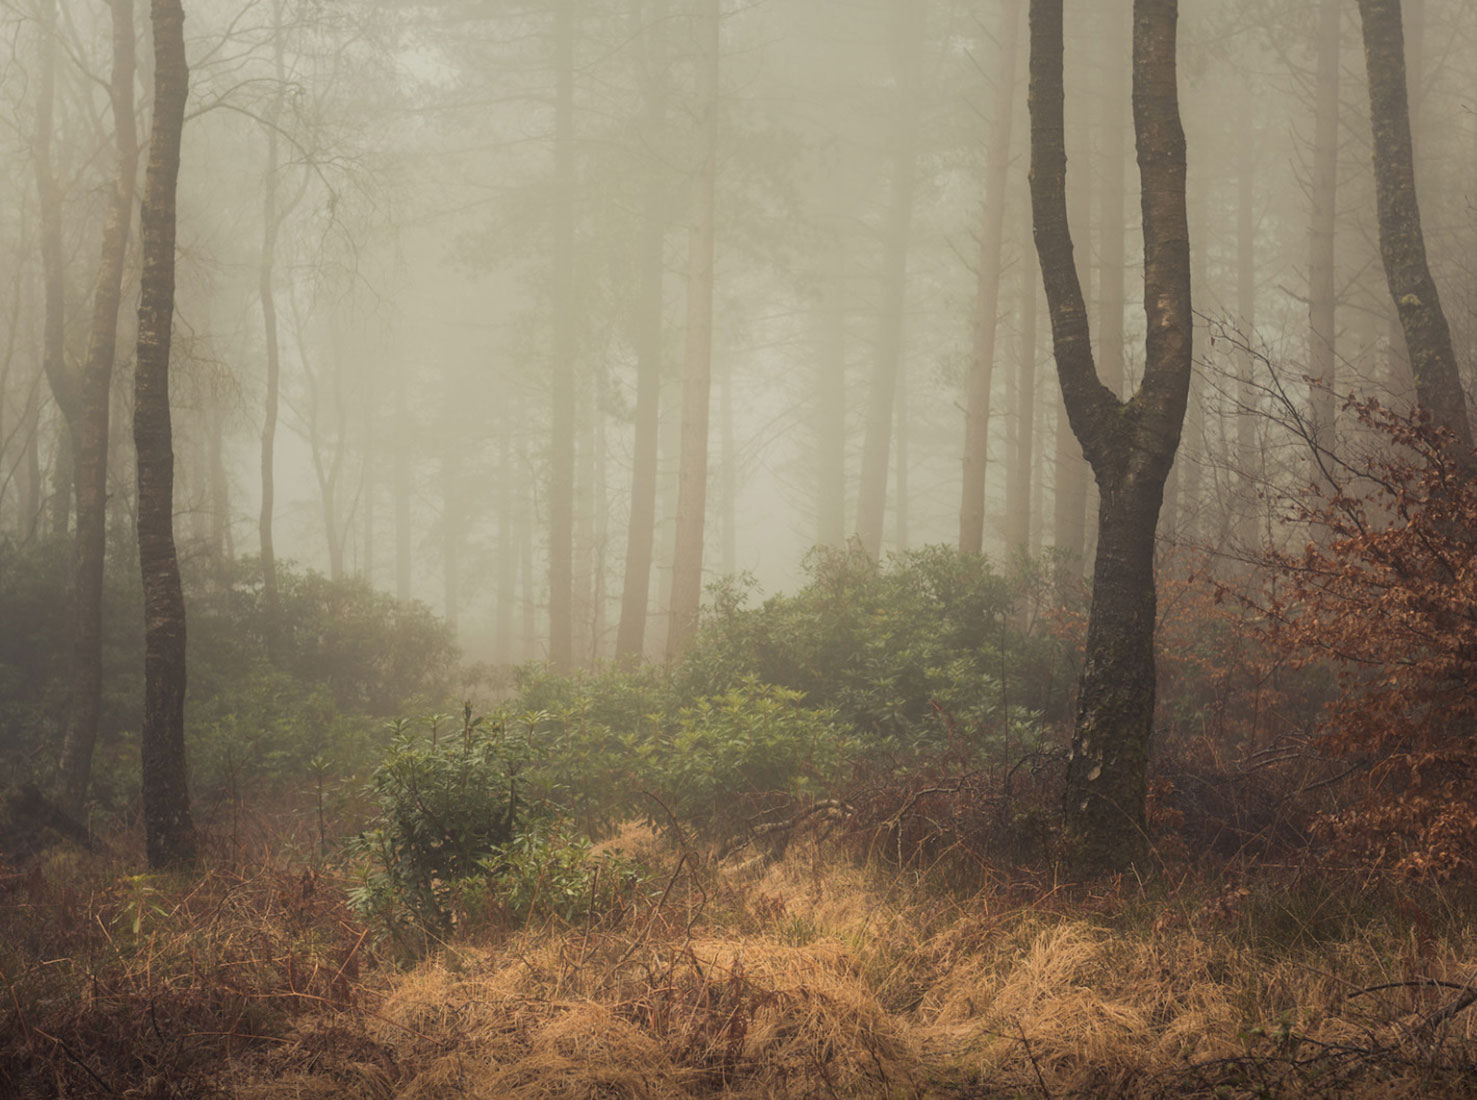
[1386, 590]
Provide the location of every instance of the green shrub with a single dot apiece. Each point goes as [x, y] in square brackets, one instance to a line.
[729, 759]
[443, 807]
[460, 838]
[929, 647]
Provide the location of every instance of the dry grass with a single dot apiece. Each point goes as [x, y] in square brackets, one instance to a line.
[811, 977]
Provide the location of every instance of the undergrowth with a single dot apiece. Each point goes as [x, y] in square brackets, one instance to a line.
[812, 974]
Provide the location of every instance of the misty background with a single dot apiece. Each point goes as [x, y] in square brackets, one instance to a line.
[468, 216]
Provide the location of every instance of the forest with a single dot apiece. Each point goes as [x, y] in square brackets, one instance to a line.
[665, 549]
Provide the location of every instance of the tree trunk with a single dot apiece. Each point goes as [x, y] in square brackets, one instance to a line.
[49, 217]
[1402, 243]
[65, 386]
[507, 547]
[1022, 421]
[1130, 445]
[451, 500]
[728, 478]
[89, 434]
[630, 643]
[830, 406]
[170, 832]
[28, 472]
[1322, 360]
[561, 472]
[987, 290]
[401, 489]
[697, 373]
[266, 274]
[907, 45]
[1112, 222]
[900, 466]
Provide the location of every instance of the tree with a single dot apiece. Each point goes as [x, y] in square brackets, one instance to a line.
[650, 40]
[1402, 243]
[169, 828]
[1322, 358]
[987, 293]
[697, 371]
[272, 219]
[561, 479]
[1130, 444]
[907, 66]
[87, 421]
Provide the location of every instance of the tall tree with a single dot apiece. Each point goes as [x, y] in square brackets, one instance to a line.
[53, 269]
[697, 371]
[630, 641]
[906, 43]
[1022, 421]
[1322, 357]
[1402, 243]
[273, 216]
[562, 443]
[1130, 444]
[88, 425]
[169, 828]
[987, 287]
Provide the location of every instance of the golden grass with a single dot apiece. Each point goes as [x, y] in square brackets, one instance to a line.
[811, 978]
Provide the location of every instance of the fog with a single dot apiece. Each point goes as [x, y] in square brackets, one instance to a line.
[477, 224]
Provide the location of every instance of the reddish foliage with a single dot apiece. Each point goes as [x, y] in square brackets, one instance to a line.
[1387, 592]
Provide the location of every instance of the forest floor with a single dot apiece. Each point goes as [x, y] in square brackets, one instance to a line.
[821, 974]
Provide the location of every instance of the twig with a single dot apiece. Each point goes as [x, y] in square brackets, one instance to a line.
[1035, 1065]
[74, 1057]
[629, 951]
[1416, 983]
[1462, 1001]
[676, 827]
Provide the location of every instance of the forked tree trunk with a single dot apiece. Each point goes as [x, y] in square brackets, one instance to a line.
[987, 290]
[89, 433]
[170, 832]
[697, 371]
[1130, 445]
[1402, 244]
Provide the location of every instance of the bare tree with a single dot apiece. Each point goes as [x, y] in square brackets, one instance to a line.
[641, 530]
[1130, 444]
[987, 289]
[561, 481]
[1322, 357]
[697, 373]
[169, 828]
[1402, 243]
[907, 62]
[88, 424]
